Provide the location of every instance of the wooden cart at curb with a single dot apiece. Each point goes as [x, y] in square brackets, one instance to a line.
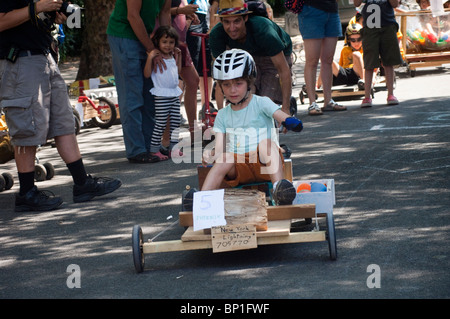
[242, 236]
[421, 48]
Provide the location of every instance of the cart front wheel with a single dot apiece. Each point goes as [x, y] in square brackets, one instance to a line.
[331, 237]
[138, 248]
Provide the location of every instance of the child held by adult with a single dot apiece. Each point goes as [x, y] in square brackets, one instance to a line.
[165, 90]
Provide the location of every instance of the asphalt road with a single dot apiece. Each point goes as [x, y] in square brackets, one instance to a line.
[391, 168]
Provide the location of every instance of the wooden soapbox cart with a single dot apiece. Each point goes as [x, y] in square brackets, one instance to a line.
[422, 48]
[244, 235]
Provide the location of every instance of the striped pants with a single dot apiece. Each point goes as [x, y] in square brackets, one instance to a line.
[166, 107]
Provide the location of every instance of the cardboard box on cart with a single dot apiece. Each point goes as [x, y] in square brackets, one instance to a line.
[324, 201]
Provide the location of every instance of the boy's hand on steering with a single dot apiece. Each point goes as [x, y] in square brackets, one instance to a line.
[293, 124]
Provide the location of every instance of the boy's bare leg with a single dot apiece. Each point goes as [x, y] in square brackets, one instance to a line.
[270, 156]
[217, 173]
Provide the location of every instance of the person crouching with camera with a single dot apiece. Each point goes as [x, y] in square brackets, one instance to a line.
[34, 98]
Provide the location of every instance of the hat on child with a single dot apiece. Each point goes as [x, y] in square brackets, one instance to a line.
[232, 8]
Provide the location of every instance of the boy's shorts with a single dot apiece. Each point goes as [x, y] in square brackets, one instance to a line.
[345, 76]
[318, 24]
[267, 80]
[34, 98]
[250, 170]
[381, 42]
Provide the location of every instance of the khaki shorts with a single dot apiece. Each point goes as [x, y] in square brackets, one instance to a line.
[267, 79]
[250, 171]
[34, 98]
[381, 42]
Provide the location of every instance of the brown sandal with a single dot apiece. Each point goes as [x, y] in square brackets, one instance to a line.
[333, 106]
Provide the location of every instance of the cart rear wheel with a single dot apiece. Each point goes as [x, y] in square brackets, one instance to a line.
[138, 249]
[9, 179]
[331, 237]
[2, 183]
[50, 170]
[108, 113]
[40, 173]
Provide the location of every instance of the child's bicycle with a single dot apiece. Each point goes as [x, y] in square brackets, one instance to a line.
[97, 105]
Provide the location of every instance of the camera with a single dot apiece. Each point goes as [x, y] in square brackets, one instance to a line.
[67, 8]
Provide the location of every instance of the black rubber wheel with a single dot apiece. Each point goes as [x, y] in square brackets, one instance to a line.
[331, 237]
[109, 113]
[40, 173]
[50, 170]
[137, 241]
[2, 183]
[9, 179]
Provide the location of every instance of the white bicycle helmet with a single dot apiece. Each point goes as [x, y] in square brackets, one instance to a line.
[233, 64]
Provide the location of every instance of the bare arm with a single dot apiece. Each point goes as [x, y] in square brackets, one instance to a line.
[219, 148]
[164, 14]
[137, 24]
[279, 61]
[148, 68]
[16, 17]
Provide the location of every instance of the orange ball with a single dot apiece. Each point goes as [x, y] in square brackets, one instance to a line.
[304, 188]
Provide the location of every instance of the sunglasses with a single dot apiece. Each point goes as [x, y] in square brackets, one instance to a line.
[355, 39]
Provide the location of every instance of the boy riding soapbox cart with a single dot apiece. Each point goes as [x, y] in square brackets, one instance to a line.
[251, 220]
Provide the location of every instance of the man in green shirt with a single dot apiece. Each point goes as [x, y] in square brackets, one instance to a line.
[270, 46]
[129, 29]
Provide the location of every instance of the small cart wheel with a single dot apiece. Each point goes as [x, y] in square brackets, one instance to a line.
[331, 237]
[40, 173]
[138, 250]
[50, 170]
[2, 183]
[9, 179]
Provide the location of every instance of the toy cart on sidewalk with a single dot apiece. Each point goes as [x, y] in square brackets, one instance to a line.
[96, 101]
[249, 224]
[426, 39]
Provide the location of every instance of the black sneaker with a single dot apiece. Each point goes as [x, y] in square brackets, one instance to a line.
[35, 200]
[284, 193]
[94, 186]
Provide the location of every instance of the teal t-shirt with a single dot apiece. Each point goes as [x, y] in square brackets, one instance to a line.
[246, 128]
[118, 23]
[264, 38]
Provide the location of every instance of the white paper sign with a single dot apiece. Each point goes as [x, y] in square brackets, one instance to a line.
[208, 209]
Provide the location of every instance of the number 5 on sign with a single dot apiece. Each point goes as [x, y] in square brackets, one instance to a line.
[208, 209]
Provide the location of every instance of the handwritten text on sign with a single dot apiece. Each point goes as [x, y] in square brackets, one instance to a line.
[233, 237]
[208, 209]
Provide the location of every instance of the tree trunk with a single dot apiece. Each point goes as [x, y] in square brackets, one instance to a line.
[95, 59]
